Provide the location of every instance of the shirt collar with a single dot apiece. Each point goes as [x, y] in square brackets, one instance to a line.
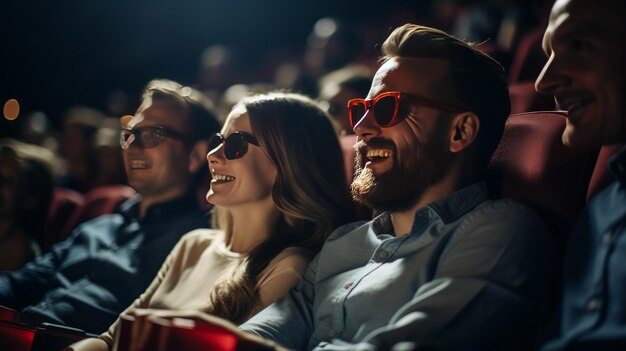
[448, 209]
[617, 166]
[457, 204]
[181, 204]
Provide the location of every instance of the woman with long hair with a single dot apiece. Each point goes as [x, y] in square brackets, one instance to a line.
[278, 186]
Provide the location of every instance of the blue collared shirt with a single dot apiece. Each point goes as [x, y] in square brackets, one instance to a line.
[88, 279]
[593, 315]
[471, 274]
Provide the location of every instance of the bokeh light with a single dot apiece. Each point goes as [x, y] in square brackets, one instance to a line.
[11, 109]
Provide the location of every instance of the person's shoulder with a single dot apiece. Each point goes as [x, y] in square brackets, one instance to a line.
[505, 206]
[199, 239]
[346, 229]
[98, 226]
[504, 216]
[202, 235]
[292, 261]
[294, 256]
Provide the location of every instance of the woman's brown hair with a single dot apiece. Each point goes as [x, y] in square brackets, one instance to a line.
[310, 191]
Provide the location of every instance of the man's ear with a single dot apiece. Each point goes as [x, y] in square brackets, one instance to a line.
[197, 158]
[464, 129]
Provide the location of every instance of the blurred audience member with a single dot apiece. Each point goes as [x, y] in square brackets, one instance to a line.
[219, 67]
[237, 92]
[340, 86]
[80, 125]
[26, 185]
[332, 44]
[36, 129]
[117, 103]
[294, 78]
[108, 156]
[88, 279]
[586, 47]
[496, 24]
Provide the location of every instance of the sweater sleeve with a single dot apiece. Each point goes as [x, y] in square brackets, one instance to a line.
[143, 301]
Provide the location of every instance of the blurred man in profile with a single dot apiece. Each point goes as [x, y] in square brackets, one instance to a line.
[88, 279]
[585, 45]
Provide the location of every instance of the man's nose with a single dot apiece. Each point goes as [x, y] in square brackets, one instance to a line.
[552, 77]
[367, 127]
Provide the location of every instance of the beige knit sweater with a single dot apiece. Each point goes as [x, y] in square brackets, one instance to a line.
[198, 261]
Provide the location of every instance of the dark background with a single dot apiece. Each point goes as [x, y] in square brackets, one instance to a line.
[56, 54]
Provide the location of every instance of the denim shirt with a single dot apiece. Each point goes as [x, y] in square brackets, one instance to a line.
[471, 274]
[88, 279]
[593, 315]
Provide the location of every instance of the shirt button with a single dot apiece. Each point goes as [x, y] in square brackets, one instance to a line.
[607, 238]
[592, 304]
[383, 254]
[348, 285]
[332, 333]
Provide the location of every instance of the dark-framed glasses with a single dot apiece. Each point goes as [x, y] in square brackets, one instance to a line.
[391, 108]
[235, 145]
[148, 137]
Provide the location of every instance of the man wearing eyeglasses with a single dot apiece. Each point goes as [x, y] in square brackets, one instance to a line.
[88, 279]
[443, 266]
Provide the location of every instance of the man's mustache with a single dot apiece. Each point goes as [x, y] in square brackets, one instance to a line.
[374, 143]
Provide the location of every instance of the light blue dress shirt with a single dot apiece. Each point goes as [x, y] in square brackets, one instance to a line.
[471, 274]
[593, 316]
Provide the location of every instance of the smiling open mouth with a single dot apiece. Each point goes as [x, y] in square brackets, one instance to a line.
[138, 164]
[221, 178]
[378, 154]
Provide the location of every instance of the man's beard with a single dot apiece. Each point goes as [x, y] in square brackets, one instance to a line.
[415, 169]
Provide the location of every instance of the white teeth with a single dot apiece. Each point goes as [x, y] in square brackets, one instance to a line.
[222, 178]
[138, 164]
[378, 153]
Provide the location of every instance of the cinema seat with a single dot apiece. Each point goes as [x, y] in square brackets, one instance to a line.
[524, 98]
[63, 205]
[99, 201]
[167, 334]
[532, 166]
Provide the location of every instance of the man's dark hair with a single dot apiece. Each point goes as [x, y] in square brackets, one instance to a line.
[480, 82]
[199, 108]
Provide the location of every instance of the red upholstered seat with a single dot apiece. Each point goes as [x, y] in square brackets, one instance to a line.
[63, 205]
[15, 337]
[69, 208]
[8, 314]
[532, 166]
[529, 58]
[180, 334]
[103, 200]
[524, 98]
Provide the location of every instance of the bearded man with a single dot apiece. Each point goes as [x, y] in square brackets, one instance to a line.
[443, 266]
